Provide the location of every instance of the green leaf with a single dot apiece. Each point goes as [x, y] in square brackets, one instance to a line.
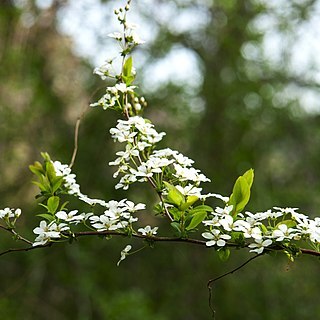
[202, 207]
[241, 192]
[224, 254]
[43, 205]
[127, 67]
[190, 201]
[51, 173]
[288, 223]
[45, 156]
[63, 206]
[249, 175]
[176, 227]
[56, 183]
[40, 186]
[45, 184]
[53, 204]
[174, 196]
[46, 216]
[176, 213]
[127, 75]
[197, 218]
[37, 168]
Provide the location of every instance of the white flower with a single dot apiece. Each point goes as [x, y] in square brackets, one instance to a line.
[122, 87]
[214, 222]
[122, 135]
[148, 231]
[224, 211]
[70, 216]
[46, 232]
[115, 35]
[191, 174]
[136, 39]
[104, 70]
[124, 253]
[6, 213]
[315, 235]
[227, 222]
[131, 207]
[125, 181]
[104, 223]
[218, 196]
[216, 238]
[283, 232]
[259, 245]
[190, 190]
[244, 227]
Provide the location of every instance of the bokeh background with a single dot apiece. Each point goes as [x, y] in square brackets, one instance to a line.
[235, 84]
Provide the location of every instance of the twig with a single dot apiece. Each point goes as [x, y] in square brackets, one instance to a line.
[211, 281]
[18, 236]
[25, 249]
[76, 130]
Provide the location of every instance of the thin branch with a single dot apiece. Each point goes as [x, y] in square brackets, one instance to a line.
[310, 252]
[185, 240]
[167, 213]
[18, 236]
[76, 130]
[25, 249]
[148, 238]
[211, 281]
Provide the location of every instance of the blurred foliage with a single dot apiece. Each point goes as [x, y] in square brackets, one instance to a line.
[238, 116]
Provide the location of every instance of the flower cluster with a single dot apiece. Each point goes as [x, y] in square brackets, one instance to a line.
[118, 216]
[279, 227]
[139, 162]
[112, 99]
[10, 216]
[47, 232]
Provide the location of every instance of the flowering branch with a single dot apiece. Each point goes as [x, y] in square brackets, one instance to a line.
[148, 238]
[170, 174]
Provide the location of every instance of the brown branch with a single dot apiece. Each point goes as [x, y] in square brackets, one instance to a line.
[25, 249]
[148, 238]
[211, 281]
[76, 130]
[310, 252]
[18, 236]
[185, 240]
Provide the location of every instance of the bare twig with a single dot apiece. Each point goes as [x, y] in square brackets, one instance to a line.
[17, 236]
[76, 130]
[211, 281]
[25, 249]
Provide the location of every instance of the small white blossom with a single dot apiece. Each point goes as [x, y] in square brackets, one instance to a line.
[115, 35]
[46, 232]
[227, 222]
[224, 211]
[216, 238]
[131, 207]
[71, 216]
[124, 253]
[104, 223]
[283, 232]
[148, 231]
[8, 213]
[259, 245]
